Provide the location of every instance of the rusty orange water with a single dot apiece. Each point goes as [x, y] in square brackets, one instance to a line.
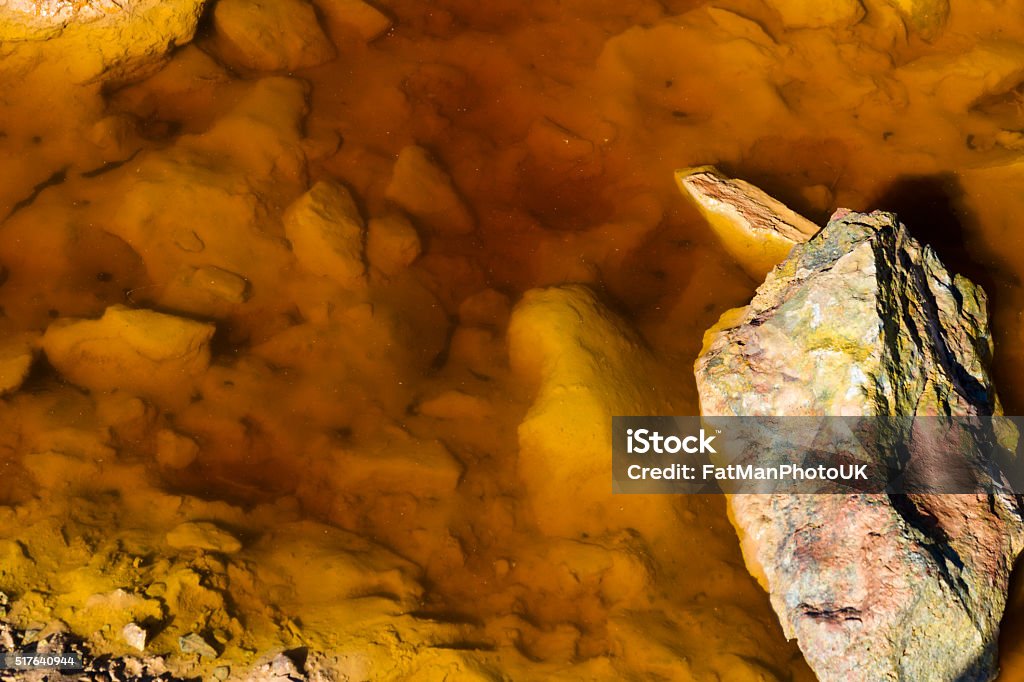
[561, 124]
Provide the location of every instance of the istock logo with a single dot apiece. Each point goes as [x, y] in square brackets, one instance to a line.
[643, 441]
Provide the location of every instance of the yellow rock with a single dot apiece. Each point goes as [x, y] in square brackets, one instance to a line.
[218, 283]
[487, 308]
[203, 535]
[926, 17]
[139, 351]
[270, 35]
[589, 366]
[479, 349]
[755, 229]
[958, 80]
[392, 243]
[101, 38]
[175, 451]
[425, 190]
[201, 203]
[326, 233]
[117, 135]
[208, 289]
[547, 140]
[261, 135]
[62, 472]
[818, 13]
[395, 462]
[364, 19]
[115, 610]
[322, 568]
[128, 417]
[455, 405]
[16, 355]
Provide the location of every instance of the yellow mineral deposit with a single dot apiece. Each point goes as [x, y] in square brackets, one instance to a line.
[314, 313]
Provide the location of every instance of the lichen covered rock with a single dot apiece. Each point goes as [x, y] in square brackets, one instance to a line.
[863, 320]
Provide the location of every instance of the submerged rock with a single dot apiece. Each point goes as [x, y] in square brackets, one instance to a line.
[16, 355]
[818, 14]
[175, 451]
[139, 351]
[203, 535]
[327, 234]
[926, 17]
[196, 211]
[420, 186]
[392, 243]
[366, 20]
[863, 320]
[753, 227]
[270, 36]
[588, 365]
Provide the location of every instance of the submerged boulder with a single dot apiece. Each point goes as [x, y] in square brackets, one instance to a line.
[197, 212]
[424, 189]
[588, 365]
[327, 234]
[392, 243]
[362, 18]
[282, 35]
[139, 351]
[863, 320]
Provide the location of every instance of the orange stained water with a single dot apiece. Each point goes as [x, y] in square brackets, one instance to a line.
[560, 124]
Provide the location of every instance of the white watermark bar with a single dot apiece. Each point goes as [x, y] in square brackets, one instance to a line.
[818, 455]
[27, 660]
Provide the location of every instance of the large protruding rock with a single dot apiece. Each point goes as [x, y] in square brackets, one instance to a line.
[753, 227]
[102, 38]
[863, 320]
